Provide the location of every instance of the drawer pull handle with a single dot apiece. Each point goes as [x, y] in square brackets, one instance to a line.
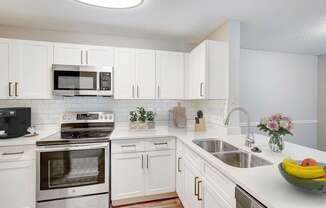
[179, 170]
[132, 145]
[142, 161]
[12, 153]
[195, 188]
[147, 160]
[161, 143]
[198, 194]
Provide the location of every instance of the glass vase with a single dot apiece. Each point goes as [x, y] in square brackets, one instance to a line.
[276, 143]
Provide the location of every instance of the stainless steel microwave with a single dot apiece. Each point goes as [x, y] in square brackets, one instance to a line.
[82, 80]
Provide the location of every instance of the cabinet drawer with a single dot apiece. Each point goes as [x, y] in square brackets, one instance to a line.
[220, 183]
[127, 146]
[160, 144]
[17, 153]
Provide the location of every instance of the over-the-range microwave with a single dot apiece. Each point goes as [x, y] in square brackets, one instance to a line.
[82, 80]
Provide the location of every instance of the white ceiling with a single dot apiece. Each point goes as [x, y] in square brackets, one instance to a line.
[280, 25]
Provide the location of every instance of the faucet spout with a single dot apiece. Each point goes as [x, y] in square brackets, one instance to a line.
[250, 140]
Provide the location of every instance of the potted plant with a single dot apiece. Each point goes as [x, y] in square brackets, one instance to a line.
[141, 113]
[277, 126]
[150, 119]
[133, 120]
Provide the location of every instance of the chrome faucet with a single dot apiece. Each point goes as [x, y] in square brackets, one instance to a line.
[250, 140]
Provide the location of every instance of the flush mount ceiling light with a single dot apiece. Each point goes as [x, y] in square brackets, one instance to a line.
[112, 4]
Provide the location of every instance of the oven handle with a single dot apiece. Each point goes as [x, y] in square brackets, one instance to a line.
[70, 147]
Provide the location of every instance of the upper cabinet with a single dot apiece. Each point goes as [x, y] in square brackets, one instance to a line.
[145, 74]
[124, 73]
[170, 73]
[5, 84]
[134, 74]
[26, 66]
[74, 54]
[207, 76]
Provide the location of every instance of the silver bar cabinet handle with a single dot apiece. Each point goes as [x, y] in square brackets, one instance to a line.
[86, 57]
[201, 89]
[137, 91]
[147, 161]
[16, 89]
[142, 161]
[158, 91]
[179, 170]
[81, 57]
[10, 85]
[133, 91]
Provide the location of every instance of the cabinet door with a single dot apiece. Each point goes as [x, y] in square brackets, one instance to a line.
[191, 187]
[32, 65]
[69, 54]
[100, 56]
[145, 74]
[128, 175]
[124, 73]
[17, 180]
[180, 176]
[197, 72]
[212, 199]
[160, 177]
[5, 91]
[170, 75]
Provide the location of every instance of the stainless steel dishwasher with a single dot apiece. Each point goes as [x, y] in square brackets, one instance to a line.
[245, 200]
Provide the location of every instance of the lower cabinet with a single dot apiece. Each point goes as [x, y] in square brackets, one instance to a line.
[145, 173]
[128, 175]
[192, 186]
[17, 178]
[199, 185]
[160, 174]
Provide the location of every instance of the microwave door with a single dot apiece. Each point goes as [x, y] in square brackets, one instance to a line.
[75, 82]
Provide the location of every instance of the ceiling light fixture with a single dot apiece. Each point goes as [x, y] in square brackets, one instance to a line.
[113, 4]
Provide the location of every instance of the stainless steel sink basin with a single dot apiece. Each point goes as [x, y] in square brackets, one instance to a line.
[213, 145]
[241, 159]
[230, 154]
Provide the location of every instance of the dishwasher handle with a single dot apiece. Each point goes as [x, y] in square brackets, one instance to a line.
[245, 200]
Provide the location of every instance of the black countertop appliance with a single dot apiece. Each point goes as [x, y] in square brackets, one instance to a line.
[14, 122]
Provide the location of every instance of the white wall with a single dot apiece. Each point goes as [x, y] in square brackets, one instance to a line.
[280, 82]
[322, 102]
[92, 39]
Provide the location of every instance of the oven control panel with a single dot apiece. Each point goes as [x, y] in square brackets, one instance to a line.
[86, 117]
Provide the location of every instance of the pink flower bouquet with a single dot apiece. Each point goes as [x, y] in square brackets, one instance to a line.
[277, 126]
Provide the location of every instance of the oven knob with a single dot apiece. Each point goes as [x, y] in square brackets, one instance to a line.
[106, 118]
[110, 117]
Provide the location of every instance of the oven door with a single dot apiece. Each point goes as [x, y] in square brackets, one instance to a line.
[70, 171]
[75, 82]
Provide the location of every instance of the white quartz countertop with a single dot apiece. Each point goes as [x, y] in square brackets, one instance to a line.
[42, 130]
[264, 183]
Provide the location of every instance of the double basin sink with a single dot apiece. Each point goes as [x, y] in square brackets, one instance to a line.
[230, 154]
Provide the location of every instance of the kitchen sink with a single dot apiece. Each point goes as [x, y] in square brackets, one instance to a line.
[242, 159]
[230, 154]
[213, 145]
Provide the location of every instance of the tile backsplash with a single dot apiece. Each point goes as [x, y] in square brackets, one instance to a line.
[49, 111]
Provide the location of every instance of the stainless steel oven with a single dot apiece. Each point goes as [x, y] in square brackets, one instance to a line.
[67, 171]
[82, 80]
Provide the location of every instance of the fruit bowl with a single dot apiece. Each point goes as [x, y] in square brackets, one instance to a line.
[309, 185]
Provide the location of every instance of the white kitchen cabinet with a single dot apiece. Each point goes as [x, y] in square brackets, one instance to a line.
[31, 72]
[180, 176]
[170, 67]
[134, 74]
[208, 71]
[99, 56]
[160, 176]
[192, 186]
[128, 175]
[212, 198]
[68, 54]
[145, 74]
[5, 49]
[124, 73]
[77, 55]
[142, 168]
[17, 177]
